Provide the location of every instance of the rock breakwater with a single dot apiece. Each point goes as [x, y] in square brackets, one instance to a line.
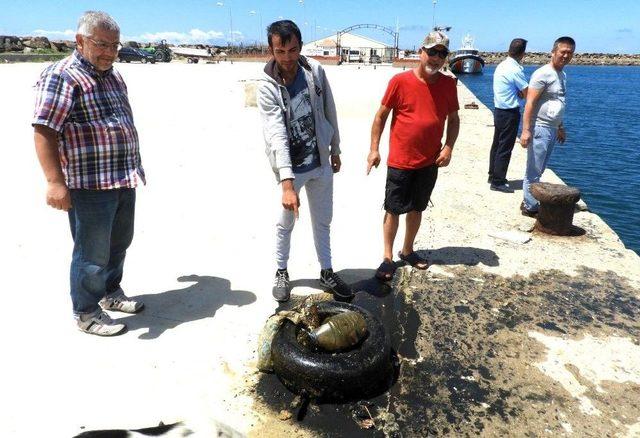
[536, 58]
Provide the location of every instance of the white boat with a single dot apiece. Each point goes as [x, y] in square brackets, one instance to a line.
[193, 55]
[466, 59]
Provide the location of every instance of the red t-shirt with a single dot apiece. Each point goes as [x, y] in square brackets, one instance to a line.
[419, 113]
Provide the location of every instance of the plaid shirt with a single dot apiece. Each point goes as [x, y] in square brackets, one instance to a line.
[98, 142]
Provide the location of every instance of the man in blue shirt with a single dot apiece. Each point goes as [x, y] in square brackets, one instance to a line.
[509, 89]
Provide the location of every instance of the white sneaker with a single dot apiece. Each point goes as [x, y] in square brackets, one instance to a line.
[99, 323]
[119, 302]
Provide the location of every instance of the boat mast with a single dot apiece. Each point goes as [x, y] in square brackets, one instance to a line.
[438, 28]
[434, 13]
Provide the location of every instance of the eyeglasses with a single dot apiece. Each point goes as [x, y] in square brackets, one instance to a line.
[105, 46]
[441, 53]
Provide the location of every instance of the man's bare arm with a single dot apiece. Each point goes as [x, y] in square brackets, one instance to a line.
[380, 119]
[453, 129]
[46, 141]
[532, 98]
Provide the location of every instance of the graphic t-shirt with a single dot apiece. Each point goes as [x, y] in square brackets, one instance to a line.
[419, 113]
[549, 108]
[302, 138]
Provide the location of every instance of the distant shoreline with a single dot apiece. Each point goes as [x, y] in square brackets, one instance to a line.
[41, 49]
[493, 59]
[537, 58]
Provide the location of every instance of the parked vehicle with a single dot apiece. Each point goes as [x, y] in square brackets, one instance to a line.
[192, 55]
[163, 52]
[128, 54]
[354, 56]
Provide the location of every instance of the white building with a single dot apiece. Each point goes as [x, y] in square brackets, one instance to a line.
[354, 48]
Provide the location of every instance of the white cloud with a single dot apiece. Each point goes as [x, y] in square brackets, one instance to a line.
[55, 34]
[194, 36]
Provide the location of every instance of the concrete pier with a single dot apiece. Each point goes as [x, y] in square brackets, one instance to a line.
[202, 261]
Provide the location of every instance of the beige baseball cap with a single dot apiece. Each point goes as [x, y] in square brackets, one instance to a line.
[435, 38]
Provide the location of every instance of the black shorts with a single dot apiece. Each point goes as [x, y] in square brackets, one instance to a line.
[409, 189]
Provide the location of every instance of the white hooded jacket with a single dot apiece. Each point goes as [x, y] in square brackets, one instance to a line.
[274, 105]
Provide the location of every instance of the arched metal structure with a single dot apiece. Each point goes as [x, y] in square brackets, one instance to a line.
[395, 35]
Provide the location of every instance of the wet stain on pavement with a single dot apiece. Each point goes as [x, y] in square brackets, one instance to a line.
[467, 363]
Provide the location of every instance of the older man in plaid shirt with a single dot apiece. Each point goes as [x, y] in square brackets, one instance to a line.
[87, 145]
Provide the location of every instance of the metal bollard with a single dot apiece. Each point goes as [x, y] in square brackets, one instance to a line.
[557, 204]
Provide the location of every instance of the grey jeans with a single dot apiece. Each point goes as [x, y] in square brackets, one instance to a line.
[318, 185]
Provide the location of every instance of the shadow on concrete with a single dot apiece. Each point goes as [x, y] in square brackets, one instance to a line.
[516, 184]
[167, 310]
[313, 283]
[359, 279]
[460, 255]
[363, 280]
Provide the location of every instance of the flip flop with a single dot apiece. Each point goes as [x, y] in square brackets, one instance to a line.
[386, 270]
[414, 260]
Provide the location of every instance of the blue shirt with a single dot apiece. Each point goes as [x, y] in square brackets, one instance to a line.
[508, 80]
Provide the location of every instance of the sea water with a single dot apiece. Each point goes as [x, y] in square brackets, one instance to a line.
[601, 156]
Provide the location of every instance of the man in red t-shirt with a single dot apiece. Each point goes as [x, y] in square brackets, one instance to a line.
[422, 100]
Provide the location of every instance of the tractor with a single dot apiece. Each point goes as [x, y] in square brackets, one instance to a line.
[162, 52]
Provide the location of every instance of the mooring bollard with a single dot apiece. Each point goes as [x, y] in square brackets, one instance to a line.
[250, 90]
[557, 204]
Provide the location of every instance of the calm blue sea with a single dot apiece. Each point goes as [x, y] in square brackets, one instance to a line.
[602, 153]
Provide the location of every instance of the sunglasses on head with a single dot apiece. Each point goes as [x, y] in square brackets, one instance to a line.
[441, 53]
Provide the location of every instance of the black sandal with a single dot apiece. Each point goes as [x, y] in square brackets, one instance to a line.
[414, 260]
[386, 270]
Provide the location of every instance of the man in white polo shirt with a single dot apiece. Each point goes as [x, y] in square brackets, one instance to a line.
[509, 89]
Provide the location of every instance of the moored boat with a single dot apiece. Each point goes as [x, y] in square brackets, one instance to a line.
[466, 59]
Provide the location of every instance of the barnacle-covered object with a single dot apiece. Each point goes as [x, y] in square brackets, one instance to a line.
[340, 331]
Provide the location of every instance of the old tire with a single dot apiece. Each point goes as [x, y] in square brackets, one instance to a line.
[159, 56]
[359, 373]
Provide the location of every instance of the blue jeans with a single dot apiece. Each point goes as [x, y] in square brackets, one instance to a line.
[101, 224]
[538, 154]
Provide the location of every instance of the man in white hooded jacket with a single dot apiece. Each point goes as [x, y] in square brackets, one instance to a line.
[302, 142]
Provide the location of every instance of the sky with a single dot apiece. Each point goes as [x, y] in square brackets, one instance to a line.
[611, 26]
